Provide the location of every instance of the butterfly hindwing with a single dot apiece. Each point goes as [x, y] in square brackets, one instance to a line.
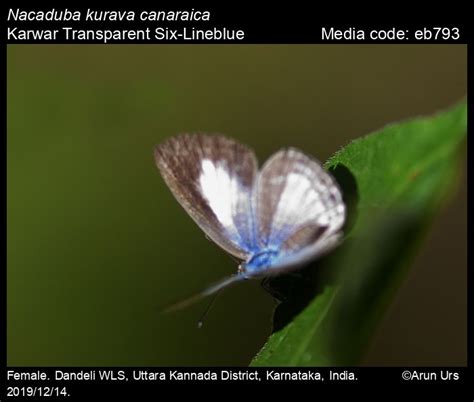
[213, 178]
[299, 207]
[296, 258]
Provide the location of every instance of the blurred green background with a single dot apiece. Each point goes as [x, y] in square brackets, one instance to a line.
[97, 244]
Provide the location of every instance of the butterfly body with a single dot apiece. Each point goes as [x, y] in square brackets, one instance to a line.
[260, 261]
[274, 220]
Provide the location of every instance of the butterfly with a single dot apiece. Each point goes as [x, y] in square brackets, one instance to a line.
[273, 220]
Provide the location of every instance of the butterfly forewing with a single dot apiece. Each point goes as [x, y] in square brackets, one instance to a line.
[213, 178]
[298, 203]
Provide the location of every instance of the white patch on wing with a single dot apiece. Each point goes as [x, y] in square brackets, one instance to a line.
[303, 200]
[220, 190]
[296, 198]
[298, 193]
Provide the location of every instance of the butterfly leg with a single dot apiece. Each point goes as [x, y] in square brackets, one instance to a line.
[286, 287]
[268, 284]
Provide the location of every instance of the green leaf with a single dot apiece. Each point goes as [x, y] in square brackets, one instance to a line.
[394, 181]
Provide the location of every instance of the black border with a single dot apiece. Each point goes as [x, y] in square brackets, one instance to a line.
[276, 24]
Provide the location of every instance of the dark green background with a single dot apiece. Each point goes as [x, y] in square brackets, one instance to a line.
[97, 244]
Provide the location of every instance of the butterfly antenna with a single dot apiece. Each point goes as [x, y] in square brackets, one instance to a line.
[207, 292]
[204, 314]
